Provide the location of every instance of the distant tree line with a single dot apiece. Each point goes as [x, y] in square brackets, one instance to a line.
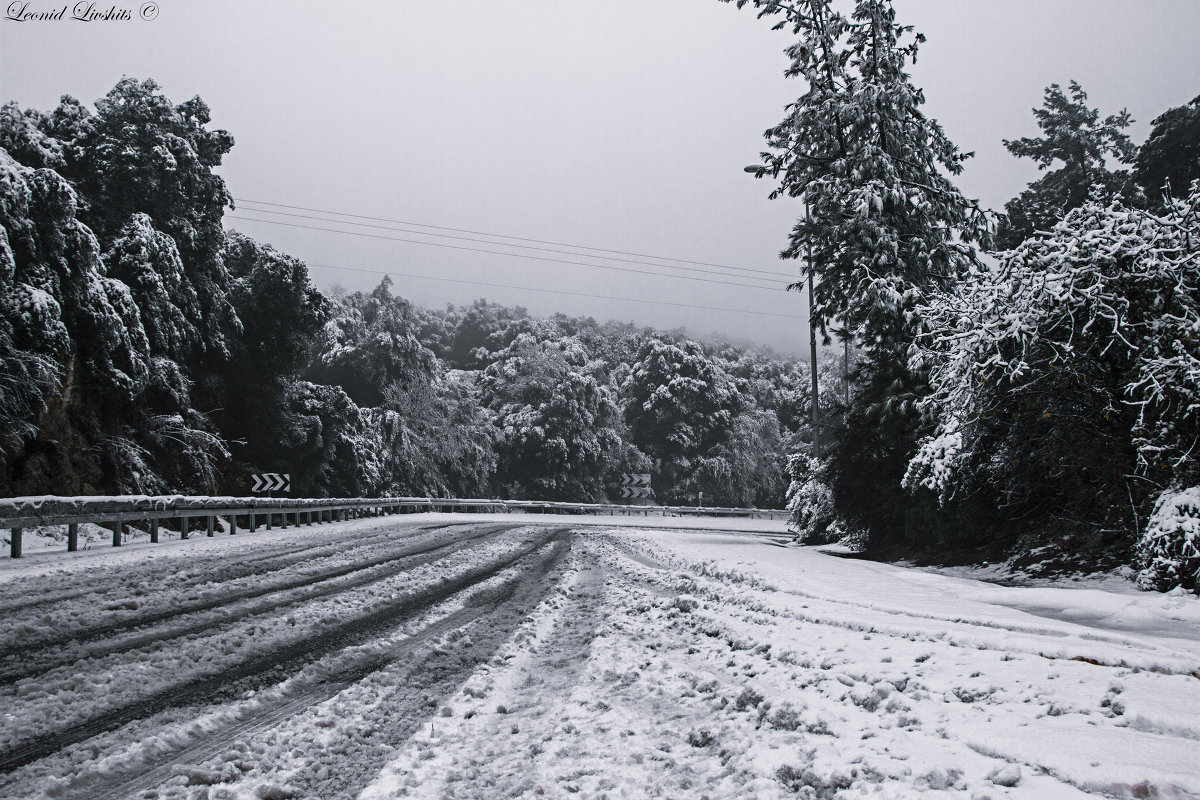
[145, 348]
[1027, 385]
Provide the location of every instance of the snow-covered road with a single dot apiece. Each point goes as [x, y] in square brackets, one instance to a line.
[484, 657]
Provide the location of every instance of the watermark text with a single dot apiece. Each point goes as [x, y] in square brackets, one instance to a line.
[82, 11]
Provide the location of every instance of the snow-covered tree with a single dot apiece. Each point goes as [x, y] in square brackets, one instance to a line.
[372, 343]
[139, 152]
[1168, 551]
[814, 518]
[114, 226]
[1170, 157]
[558, 427]
[282, 315]
[746, 468]
[679, 404]
[885, 228]
[885, 223]
[64, 310]
[1066, 377]
[33, 341]
[424, 429]
[1074, 136]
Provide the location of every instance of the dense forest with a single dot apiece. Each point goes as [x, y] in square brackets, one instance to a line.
[147, 348]
[1023, 383]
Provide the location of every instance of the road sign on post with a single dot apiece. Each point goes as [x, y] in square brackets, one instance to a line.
[272, 482]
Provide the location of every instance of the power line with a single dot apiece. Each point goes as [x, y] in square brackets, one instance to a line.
[552, 291]
[501, 253]
[503, 244]
[514, 238]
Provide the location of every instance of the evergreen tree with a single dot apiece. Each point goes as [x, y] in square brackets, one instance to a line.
[1074, 135]
[1170, 158]
[557, 426]
[885, 227]
[282, 315]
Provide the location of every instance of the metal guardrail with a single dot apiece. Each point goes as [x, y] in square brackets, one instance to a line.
[18, 513]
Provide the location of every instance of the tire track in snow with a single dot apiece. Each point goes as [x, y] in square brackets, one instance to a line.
[96, 632]
[32, 661]
[205, 568]
[217, 566]
[198, 690]
[407, 706]
[537, 703]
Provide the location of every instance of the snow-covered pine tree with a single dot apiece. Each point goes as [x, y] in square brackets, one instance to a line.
[885, 223]
[1074, 136]
[886, 228]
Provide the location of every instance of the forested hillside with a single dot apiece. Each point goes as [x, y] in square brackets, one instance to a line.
[146, 347]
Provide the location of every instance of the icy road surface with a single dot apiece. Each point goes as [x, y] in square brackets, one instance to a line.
[464, 656]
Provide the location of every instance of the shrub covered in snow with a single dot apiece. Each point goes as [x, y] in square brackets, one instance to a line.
[1169, 549]
[1067, 367]
[810, 501]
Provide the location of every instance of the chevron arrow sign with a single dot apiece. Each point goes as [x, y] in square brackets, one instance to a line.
[272, 482]
[635, 479]
[637, 491]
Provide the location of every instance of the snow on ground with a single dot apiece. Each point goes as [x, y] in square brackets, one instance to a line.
[747, 670]
[662, 662]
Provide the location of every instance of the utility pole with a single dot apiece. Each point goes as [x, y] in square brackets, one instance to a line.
[846, 367]
[758, 171]
[812, 341]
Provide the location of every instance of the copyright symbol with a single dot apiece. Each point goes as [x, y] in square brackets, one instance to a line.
[148, 11]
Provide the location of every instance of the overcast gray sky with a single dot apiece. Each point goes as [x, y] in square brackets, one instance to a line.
[621, 124]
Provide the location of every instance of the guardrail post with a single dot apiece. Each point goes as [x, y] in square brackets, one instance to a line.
[211, 522]
[16, 542]
[117, 528]
[154, 530]
[253, 527]
[72, 537]
[233, 523]
[184, 523]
